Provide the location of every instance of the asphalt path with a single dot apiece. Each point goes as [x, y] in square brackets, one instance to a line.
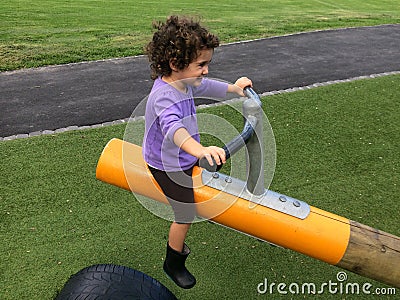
[90, 93]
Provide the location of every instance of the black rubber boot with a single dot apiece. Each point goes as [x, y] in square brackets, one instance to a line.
[174, 267]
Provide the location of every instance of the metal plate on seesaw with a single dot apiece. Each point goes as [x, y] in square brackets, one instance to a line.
[270, 199]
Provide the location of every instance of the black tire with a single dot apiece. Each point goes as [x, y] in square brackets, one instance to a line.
[107, 281]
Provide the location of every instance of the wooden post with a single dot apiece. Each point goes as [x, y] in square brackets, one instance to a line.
[372, 253]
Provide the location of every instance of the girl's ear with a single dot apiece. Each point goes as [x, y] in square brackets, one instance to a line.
[172, 65]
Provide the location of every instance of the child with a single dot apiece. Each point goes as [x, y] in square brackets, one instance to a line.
[179, 53]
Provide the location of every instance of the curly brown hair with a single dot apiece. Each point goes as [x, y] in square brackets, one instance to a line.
[178, 40]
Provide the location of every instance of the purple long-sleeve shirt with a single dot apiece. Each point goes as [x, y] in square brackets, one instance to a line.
[167, 110]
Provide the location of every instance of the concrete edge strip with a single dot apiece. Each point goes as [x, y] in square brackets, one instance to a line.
[231, 101]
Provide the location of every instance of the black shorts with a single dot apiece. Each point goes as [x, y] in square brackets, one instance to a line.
[178, 188]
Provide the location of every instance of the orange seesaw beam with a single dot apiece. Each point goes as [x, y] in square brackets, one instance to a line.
[321, 235]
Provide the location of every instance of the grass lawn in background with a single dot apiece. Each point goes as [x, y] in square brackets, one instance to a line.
[337, 149]
[46, 32]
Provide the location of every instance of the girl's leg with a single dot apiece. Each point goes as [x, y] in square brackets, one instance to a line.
[177, 253]
[178, 187]
[177, 235]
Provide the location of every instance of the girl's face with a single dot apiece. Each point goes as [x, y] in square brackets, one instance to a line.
[197, 69]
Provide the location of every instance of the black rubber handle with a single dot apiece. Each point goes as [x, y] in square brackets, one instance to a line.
[203, 162]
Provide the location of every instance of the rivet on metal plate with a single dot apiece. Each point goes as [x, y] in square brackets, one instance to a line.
[282, 198]
[296, 203]
[228, 180]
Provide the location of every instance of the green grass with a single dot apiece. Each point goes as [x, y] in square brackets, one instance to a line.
[46, 32]
[337, 149]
